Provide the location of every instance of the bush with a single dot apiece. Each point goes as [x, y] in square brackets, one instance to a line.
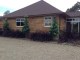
[41, 36]
[62, 36]
[5, 25]
[6, 33]
[25, 28]
[12, 33]
[18, 34]
[68, 36]
[6, 29]
[1, 32]
[54, 28]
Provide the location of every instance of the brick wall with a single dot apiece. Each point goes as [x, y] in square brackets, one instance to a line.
[1, 24]
[12, 24]
[35, 24]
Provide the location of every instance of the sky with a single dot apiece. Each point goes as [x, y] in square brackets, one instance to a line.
[13, 5]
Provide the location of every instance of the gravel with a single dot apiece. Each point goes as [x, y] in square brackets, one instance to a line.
[24, 49]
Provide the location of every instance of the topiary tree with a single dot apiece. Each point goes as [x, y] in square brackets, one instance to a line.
[25, 28]
[54, 28]
[5, 25]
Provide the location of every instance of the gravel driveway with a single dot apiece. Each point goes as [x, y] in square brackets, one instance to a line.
[20, 49]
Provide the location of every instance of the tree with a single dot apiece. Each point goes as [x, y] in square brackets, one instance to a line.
[6, 25]
[25, 28]
[54, 28]
[76, 7]
[6, 12]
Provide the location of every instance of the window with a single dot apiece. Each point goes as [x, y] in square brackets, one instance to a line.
[74, 24]
[47, 21]
[69, 20]
[20, 21]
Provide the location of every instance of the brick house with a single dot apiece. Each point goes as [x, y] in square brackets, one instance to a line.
[40, 15]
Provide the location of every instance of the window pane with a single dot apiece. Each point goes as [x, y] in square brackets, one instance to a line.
[69, 19]
[75, 27]
[47, 24]
[18, 23]
[68, 26]
[22, 23]
[48, 17]
[48, 21]
[17, 20]
[22, 20]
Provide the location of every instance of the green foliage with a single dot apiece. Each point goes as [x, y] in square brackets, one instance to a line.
[6, 12]
[6, 25]
[76, 7]
[25, 28]
[54, 28]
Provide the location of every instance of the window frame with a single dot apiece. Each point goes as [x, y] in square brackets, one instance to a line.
[19, 21]
[45, 19]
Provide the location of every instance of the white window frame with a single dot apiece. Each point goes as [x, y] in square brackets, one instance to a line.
[45, 19]
[19, 21]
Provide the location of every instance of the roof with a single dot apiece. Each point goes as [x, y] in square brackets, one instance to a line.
[0, 17]
[73, 14]
[38, 8]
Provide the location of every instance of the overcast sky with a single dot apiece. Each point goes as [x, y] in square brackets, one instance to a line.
[13, 5]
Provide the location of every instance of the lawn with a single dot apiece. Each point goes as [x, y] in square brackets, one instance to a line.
[24, 49]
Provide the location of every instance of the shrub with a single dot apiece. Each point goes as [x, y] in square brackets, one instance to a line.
[41, 36]
[6, 33]
[5, 25]
[12, 33]
[1, 32]
[25, 28]
[54, 28]
[17, 34]
[68, 36]
[62, 36]
[6, 29]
